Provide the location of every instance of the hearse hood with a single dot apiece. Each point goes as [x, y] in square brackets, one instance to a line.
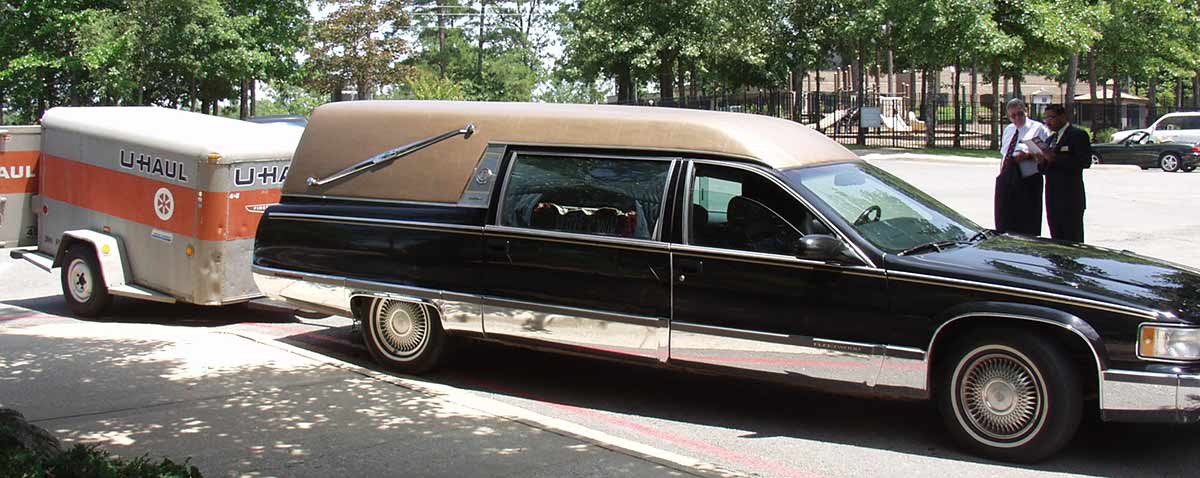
[1077, 270]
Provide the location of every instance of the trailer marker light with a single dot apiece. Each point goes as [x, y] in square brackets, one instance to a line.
[213, 157]
[105, 249]
[189, 251]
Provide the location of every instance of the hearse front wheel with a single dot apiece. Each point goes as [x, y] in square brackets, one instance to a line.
[403, 336]
[1010, 395]
[83, 282]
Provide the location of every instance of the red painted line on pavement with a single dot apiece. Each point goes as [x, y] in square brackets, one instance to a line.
[685, 442]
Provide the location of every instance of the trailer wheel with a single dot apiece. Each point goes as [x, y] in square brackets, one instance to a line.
[83, 283]
[403, 336]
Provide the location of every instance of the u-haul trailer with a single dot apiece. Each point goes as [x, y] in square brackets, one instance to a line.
[18, 183]
[153, 203]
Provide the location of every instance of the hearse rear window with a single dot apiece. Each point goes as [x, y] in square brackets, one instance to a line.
[607, 197]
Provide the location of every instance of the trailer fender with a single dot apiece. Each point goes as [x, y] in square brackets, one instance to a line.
[110, 253]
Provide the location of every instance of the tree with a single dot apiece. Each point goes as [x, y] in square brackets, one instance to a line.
[359, 44]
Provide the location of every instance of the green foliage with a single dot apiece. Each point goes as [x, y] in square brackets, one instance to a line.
[1104, 135]
[563, 91]
[427, 85]
[84, 461]
[359, 44]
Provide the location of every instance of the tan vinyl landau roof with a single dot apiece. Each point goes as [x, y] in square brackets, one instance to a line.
[341, 134]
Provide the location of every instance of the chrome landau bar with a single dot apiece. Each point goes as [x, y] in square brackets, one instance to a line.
[391, 155]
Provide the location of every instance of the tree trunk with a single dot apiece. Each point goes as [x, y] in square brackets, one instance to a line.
[253, 98]
[925, 94]
[1152, 91]
[1196, 91]
[441, 26]
[1091, 58]
[1072, 78]
[931, 105]
[624, 84]
[1016, 78]
[479, 57]
[1118, 105]
[973, 101]
[243, 110]
[957, 108]
[681, 81]
[996, 104]
[666, 78]
[891, 73]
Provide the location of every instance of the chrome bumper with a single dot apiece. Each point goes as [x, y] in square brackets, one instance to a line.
[1130, 396]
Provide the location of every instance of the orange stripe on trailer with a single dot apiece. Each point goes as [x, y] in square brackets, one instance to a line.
[223, 216]
[234, 215]
[18, 172]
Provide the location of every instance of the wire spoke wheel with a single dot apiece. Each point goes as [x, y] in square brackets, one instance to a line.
[999, 396]
[402, 329]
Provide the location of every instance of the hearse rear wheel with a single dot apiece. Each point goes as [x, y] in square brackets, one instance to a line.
[83, 282]
[403, 336]
[1010, 395]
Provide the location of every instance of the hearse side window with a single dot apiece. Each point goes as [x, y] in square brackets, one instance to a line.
[607, 197]
[738, 209]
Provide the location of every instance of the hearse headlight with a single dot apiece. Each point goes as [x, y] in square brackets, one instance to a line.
[1169, 342]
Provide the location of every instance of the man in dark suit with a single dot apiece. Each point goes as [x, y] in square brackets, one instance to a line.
[1069, 153]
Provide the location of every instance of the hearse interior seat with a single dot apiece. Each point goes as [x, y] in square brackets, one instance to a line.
[605, 220]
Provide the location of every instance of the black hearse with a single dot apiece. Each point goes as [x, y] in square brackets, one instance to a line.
[719, 242]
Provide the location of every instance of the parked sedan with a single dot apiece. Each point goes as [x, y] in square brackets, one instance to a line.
[1139, 149]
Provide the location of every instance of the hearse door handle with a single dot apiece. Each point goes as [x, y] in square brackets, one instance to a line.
[689, 267]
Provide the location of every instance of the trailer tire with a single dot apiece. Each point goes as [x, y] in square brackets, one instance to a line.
[83, 282]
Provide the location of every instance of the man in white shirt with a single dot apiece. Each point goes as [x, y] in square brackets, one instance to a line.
[1018, 206]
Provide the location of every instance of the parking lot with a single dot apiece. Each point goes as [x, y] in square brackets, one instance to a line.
[247, 392]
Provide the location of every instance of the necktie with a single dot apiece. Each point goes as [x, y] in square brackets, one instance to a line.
[1012, 146]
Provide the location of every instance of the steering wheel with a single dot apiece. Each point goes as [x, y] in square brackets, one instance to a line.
[865, 217]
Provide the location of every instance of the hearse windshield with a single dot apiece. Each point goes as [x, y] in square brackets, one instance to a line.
[890, 213]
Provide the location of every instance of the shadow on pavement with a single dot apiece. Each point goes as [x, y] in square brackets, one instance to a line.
[766, 409]
[125, 310]
[234, 405]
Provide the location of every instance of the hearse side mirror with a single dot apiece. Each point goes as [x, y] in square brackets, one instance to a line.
[824, 247]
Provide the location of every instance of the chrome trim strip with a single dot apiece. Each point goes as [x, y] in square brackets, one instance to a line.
[1095, 353]
[1138, 347]
[459, 312]
[824, 220]
[872, 365]
[662, 205]
[573, 311]
[376, 221]
[579, 328]
[383, 201]
[1007, 290]
[774, 259]
[793, 358]
[576, 238]
[1125, 390]
[1188, 396]
[304, 290]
